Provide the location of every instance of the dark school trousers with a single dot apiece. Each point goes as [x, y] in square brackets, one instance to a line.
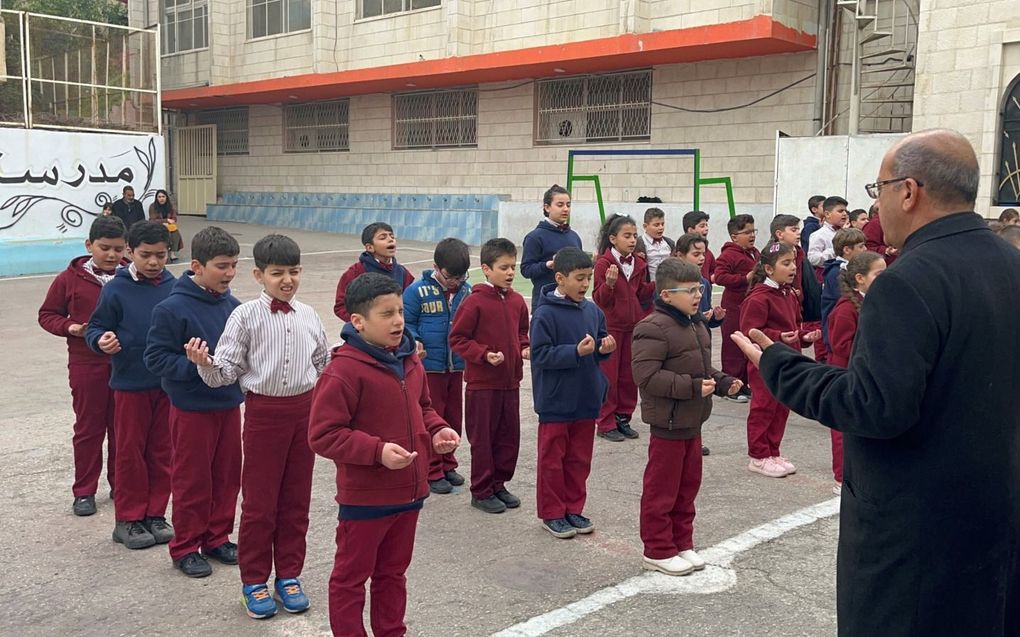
[564, 462]
[622, 396]
[671, 483]
[143, 454]
[734, 363]
[447, 392]
[492, 418]
[766, 419]
[92, 401]
[379, 549]
[276, 487]
[205, 477]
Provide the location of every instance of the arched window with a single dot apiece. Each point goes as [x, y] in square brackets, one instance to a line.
[1008, 169]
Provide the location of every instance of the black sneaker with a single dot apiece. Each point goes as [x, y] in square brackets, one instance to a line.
[225, 553]
[581, 523]
[704, 450]
[133, 535]
[491, 504]
[84, 505]
[612, 435]
[159, 528]
[625, 429]
[194, 565]
[454, 478]
[441, 485]
[510, 500]
[559, 528]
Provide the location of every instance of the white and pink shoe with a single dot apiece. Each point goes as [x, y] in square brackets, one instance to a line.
[767, 467]
[790, 469]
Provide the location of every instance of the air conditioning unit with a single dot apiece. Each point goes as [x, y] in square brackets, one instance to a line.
[564, 127]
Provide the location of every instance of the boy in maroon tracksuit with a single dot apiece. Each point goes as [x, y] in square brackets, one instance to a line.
[372, 417]
[380, 256]
[69, 303]
[733, 271]
[490, 332]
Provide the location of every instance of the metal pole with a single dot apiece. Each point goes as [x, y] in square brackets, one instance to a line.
[855, 83]
[158, 102]
[26, 72]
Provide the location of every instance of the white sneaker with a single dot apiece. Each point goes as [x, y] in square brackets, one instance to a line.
[739, 398]
[767, 467]
[838, 488]
[693, 558]
[786, 464]
[675, 565]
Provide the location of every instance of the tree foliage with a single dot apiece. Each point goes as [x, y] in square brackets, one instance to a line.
[108, 11]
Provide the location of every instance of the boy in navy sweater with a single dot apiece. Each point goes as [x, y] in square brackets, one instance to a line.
[118, 328]
[551, 234]
[429, 307]
[845, 243]
[70, 301]
[372, 417]
[205, 422]
[569, 339]
[380, 256]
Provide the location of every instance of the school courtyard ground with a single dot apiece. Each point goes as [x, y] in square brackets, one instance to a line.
[771, 544]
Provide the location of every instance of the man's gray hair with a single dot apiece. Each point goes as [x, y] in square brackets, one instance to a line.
[949, 177]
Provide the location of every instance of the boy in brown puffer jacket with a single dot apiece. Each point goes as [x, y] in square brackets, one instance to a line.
[672, 368]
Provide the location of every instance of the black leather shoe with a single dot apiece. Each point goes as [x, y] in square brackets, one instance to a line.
[440, 486]
[194, 565]
[225, 553]
[84, 505]
[491, 504]
[625, 429]
[510, 500]
[160, 529]
[612, 435]
[454, 478]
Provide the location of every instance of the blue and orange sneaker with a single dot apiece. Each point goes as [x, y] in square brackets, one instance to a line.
[290, 593]
[257, 601]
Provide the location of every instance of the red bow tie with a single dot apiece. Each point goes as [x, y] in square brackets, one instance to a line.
[153, 282]
[100, 271]
[280, 306]
[656, 242]
[563, 227]
[627, 260]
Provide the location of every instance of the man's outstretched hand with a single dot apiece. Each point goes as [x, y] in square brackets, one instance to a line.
[752, 345]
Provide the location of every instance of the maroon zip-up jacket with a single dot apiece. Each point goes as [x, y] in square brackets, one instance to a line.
[71, 299]
[623, 304]
[489, 320]
[731, 268]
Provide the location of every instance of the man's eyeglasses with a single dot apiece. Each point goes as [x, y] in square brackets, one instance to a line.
[874, 189]
[695, 290]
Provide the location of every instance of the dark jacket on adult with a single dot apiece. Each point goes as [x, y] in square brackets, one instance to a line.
[565, 385]
[129, 213]
[671, 355]
[929, 538]
[540, 245]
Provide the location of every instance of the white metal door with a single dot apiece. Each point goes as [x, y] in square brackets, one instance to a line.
[195, 167]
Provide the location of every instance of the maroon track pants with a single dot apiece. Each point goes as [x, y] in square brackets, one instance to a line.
[671, 483]
[623, 393]
[143, 454]
[92, 400]
[766, 419]
[447, 392]
[492, 418]
[564, 462]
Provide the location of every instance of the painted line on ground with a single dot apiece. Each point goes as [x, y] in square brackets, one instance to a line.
[715, 578]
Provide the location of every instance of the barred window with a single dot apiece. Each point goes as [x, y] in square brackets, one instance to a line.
[1008, 177]
[615, 107]
[270, 17]
[231, 129]
[185, 25]
[321, 127]
[435, 119]
[372, 8]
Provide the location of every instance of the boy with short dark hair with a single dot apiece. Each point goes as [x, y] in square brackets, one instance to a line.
[430, 305]
[846, 243]
[813, 221]
[205, 422]
[653, 244]
[569, 339]
[490, 332]
[673, 370]
[372, 417]
[118, 328]
[275, 346]
[859, 218]
[696, 222]
[69, 303]
[733, 271]
[820, 246]
[380, 256]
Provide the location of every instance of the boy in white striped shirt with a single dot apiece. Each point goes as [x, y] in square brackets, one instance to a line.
[275, 347]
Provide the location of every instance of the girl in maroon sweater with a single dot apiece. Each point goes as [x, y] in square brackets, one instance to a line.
[856, 279]
[622, 290]
[772, 307]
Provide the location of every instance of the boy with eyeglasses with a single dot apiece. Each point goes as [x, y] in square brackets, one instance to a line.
[733, 271]
[430, 304]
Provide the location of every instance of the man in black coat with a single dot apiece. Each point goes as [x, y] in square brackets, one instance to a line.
[128, 208]
[930, 516]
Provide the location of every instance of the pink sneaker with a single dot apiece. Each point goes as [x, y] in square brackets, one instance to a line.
[786, 464]
[767, 467]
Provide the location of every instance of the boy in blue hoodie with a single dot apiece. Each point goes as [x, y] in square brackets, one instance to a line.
[205, 422]
[569, 339]
[845, 243]
[118, 328]
[429, 306]
[551, 234]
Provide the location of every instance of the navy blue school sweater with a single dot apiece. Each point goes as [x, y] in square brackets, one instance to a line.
[125, 308]
[706, 303]
[830, 292]
[565, 385]
[540, 245]
[189, 312]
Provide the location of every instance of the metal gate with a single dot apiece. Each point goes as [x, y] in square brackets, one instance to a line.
[195, 166]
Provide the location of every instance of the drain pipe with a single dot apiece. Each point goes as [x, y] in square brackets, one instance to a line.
[825, 8]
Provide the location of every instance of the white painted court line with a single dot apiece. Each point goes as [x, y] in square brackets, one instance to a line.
[715, 578]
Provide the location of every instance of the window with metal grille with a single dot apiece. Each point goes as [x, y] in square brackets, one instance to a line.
[185, 25]
[1008, 181]
[597, 108]
[271, 17]
[372, 8]
[435, 119]
[231, 129]
[316, 128]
